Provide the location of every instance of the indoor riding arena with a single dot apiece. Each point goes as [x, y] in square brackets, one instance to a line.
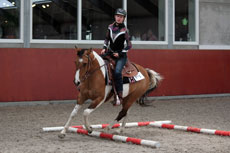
[187, 112]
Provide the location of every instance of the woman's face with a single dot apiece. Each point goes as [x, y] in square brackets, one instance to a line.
[119, 18]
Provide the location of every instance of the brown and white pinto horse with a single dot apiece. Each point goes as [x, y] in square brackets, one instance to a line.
[90, 77]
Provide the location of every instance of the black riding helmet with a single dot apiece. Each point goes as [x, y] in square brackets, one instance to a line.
[121, 11]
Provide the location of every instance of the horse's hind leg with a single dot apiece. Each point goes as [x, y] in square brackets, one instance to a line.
[127, 103]
[124, 121]
[123, 113]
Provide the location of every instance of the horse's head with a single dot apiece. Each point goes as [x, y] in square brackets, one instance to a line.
[84, 57]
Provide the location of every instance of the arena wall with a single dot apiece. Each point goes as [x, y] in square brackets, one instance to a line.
[29, 74]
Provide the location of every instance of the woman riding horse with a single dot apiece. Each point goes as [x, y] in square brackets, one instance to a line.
[91, 74]
[90, 78]
[116, 36]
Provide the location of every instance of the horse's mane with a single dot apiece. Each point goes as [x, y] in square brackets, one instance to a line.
[99, 58]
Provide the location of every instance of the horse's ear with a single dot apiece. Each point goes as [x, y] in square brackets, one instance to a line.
[89, 50]
[77, 49]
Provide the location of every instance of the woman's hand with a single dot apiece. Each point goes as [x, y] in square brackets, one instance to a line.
[115, 54]
[103, 51]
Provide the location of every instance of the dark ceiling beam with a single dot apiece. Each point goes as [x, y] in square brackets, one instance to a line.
[69, 8]
[106, 8]
[149, 6]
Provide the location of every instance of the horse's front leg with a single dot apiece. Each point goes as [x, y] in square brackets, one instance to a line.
[74, 112]
[93, 106]
[80, 101]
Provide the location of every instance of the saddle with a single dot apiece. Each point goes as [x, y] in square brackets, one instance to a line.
[129, 70]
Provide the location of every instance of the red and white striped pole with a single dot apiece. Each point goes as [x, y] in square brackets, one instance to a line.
[101, 126]
[116, 137]
[191, 129]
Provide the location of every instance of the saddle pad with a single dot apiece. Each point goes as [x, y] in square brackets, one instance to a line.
[133, 79]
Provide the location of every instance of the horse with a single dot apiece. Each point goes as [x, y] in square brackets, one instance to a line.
[91, 77]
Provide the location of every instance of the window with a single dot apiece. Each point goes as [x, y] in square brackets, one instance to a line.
[150, 22]
[54, 19]
[185, 23]
[96, 16]
[10, 19]
[146, 20]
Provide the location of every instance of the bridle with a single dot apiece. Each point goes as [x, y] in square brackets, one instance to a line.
[88, 72]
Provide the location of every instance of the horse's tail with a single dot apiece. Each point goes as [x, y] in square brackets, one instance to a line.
[155, 78]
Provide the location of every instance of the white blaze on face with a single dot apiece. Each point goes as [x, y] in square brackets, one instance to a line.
[80, 60]
[77, 77]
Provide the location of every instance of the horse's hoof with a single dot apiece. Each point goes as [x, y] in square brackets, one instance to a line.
[61, 135]
[90, 130]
